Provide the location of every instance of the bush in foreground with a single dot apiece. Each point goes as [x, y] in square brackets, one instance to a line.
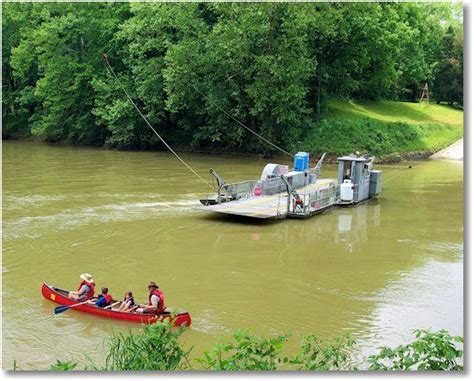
[244, 352]
[318, 354]
[157, 347]
[430, 351]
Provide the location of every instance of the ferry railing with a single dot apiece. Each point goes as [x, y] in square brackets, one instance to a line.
[239, 189]
[313, 201]
[245, 188]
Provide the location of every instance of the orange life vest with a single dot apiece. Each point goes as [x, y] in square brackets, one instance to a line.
[161, 303]
[91, 286]
[108, 298]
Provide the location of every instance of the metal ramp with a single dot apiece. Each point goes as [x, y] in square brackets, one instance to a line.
[256, 207]
[263, 207]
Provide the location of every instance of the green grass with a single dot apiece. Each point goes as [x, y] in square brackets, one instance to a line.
[386, 127]
[393, 111]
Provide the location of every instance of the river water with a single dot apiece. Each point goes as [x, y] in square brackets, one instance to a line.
[379, 270]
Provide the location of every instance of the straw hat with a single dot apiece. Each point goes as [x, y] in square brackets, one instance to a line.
[87, 277]
[152, 284]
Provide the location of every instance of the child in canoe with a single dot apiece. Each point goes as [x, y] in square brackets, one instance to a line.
[128, 302]
[104, 299]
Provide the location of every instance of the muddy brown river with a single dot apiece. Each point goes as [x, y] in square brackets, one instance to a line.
[379, 270]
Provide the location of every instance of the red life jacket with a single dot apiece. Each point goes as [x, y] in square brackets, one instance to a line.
[108, 298]
[91, 286]
[161, 303]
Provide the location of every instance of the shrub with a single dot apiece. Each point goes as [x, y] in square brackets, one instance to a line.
[318, 354]
[244, 352]
[430, 351]
[156, 348]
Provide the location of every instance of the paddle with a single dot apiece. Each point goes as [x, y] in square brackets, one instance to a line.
[61, 309]
[132, 309]
[112, 305]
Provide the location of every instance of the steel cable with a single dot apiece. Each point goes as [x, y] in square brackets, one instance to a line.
[149, 125]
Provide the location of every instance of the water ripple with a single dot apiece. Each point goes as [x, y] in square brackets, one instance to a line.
[35, 226]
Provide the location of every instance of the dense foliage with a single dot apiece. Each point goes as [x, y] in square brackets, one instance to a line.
[158, 348]
[243, 352]
[318, 354]
[271, 65]
[430, 351]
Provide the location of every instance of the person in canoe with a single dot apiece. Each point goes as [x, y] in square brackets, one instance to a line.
[128, 302]
[156, 301]
[104, 299]
[85, 290]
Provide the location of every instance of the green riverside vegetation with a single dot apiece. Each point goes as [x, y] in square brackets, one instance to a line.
[286, 70]
[385, 127]
[157, 347]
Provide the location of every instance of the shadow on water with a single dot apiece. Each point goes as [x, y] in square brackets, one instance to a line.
[239, 220]
[249, 221]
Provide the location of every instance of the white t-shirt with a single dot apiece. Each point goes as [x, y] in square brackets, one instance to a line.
[155, 300]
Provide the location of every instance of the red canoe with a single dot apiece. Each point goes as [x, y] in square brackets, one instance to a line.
[59, 296]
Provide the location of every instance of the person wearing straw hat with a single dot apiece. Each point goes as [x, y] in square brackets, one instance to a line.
[85, 290]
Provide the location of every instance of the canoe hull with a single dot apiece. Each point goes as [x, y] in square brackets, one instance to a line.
[54, 294]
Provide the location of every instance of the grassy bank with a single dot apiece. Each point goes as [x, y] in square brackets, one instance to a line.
[385, 128]
[390, 130]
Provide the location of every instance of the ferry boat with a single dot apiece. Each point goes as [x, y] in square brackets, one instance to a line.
[297, 193]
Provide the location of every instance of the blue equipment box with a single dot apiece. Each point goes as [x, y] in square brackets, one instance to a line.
[301, 161]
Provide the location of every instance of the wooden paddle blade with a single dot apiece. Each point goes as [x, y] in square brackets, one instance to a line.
[61, 309]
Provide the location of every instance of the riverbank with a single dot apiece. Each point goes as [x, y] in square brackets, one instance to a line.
[392, 158]
[453, 152]
[392, 131]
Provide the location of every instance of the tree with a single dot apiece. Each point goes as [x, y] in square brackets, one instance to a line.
[18, 98]
[273, 66]
[66, 46]
[254, 63]
[448, 82]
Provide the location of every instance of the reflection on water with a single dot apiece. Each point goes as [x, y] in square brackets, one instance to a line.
[379, 270]
[416, 301]
[352, 227]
